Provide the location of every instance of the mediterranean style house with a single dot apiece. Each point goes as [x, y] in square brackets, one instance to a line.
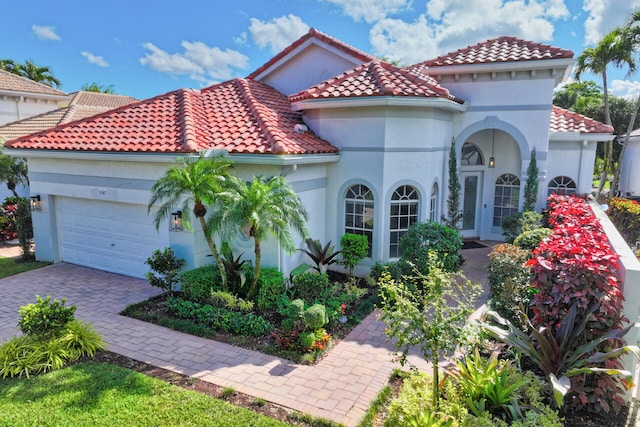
[364, 143]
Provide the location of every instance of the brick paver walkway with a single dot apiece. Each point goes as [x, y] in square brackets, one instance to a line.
[340, 387]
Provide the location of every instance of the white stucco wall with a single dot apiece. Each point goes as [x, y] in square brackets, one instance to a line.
[574, 159]
[18, 108]
[630, 170]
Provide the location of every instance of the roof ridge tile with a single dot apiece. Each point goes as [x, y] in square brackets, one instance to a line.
[189, 138]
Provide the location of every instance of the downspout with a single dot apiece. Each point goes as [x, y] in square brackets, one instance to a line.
[18, 100]
[582, 148]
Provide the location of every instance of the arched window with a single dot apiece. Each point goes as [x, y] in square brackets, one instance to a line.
[506, 199]
[433, 203]
[358, 212]
[404, 212]
[562, 185]
[471, 155]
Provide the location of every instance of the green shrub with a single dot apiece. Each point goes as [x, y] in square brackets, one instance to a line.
[530, 239]
[24, 227]
[18, 358]
[514, 225]
[224, 299]
[198, 283]
[396, 269]
[509, 281]
[81, 339]
[313, 340]
[165, 269]
[425, 237]
[272, 289]
[309, 286]
[45, 318]
[355, 248]
[315, 317]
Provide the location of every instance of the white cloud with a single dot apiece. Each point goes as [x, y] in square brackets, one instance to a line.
[450, 24]
[93, 59]
[45, 33]
[198, 61]
[604, 15]
[277, 33]
[625, 88]
[370, 10]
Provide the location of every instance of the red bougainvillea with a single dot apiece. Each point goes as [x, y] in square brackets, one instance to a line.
[577, 264]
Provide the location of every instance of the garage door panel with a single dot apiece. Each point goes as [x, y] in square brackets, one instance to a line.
[111, 236]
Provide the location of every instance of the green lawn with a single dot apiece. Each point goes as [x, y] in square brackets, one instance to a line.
[101, 394]
[9, 266]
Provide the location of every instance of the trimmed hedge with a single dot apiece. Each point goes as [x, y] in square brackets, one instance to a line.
[625, 215]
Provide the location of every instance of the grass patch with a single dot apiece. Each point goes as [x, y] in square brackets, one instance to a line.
[11, 266]
[101, 394]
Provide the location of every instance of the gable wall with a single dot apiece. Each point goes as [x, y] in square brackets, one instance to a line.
[19, 108]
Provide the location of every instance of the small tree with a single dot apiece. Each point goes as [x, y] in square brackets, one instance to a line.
[24, 227]
[165, 269]
[531, 187]
[355, 248]
[454, 215]
[431, 316]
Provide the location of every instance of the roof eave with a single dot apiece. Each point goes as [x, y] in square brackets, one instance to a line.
[580, 136]
[95, 155]
[379, 101]
[284, 159]
[19, 94]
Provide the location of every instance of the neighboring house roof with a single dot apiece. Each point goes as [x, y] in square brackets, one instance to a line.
[83, 104]
[320, 36]
[375, 78]
[10, 82]
[567, 121]
[239, 116]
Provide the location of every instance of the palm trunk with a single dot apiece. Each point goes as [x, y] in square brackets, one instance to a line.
[616, 178]
[215, 253]
[256, 273]
[608, 145]
[436, 380]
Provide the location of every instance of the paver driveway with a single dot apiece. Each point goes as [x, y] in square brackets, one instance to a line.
[340, 387]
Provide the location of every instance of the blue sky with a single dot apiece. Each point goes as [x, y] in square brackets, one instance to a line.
[146, 48]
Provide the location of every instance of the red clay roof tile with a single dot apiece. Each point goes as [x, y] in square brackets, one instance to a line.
[501, 49]
[240, 116]
[567, 121]
[376, 78]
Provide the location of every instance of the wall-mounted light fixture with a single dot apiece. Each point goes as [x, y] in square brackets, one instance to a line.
[176, 221]
[492, 160]
[35, 203]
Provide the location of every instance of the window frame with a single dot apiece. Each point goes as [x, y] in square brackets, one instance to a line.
[406, 198]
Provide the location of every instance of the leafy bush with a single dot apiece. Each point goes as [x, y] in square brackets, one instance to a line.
[355, 248]
[198, 283]
[165, 269]
[315, 317]
[530, 239]
[309, 286]
[395, 269]
[224, 299]
[272, 288]
[322, 256]
[509, 280]
[625, 214]
[425, 237]
[45, 318]
[24, 227]
[220, 319]
[81, 339]
[8, 228]
[516, 224]
[234, 267]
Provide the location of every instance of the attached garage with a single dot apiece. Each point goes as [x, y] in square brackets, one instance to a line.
[111, 236]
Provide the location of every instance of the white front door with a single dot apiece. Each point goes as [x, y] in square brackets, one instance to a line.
[111, 236]
[471, 183]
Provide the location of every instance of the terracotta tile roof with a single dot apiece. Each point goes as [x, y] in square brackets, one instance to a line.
[320, 36]
[567, 121]
[13, 83]
[501, 49]
[375, 78]
[83, 104]
[240, 116]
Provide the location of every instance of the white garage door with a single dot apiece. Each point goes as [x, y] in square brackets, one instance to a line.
[116, 237]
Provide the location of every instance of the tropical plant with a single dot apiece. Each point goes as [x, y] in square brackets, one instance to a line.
[431, 317]
[191, 186]
[24, 227]
[234, 266]
[13, 171]
[424, 238]
[165, 269]
[322, 256]
[355, 248]
[98, 88]
[454, 213]
[264, 206]
[560, 353]
[531, 186]
[40, 74]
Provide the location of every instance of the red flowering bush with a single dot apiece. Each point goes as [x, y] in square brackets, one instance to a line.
[576, 264]
[625, 215]
[8, 229]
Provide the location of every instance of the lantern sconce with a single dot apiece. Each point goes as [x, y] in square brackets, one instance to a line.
[176, 221]
[492, 160]
[35, 203]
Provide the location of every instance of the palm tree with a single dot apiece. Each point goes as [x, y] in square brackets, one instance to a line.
[266, 206]
[192, 186]
[614, 49]
[13, 171]
[38, 74]
[95, 87]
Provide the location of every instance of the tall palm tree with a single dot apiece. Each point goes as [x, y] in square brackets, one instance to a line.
[38, 74]
[191, 186]
[266, 206]
[613, 50]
